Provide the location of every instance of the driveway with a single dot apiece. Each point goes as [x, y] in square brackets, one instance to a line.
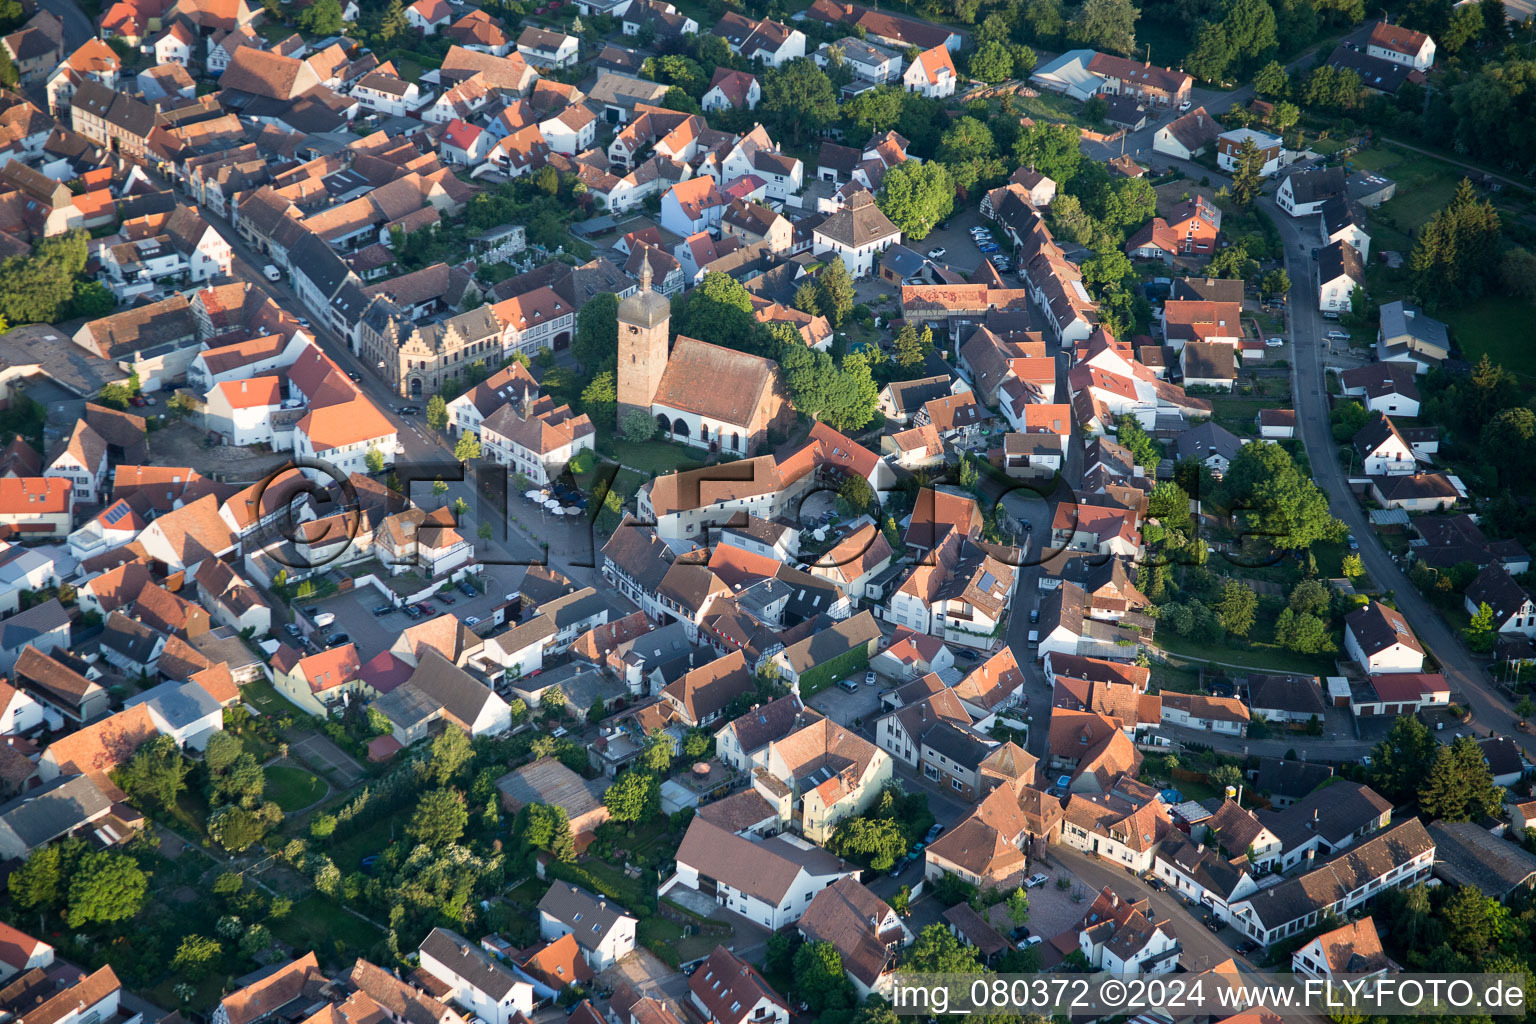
[1490, 713]
[844, 707]
[646, 974]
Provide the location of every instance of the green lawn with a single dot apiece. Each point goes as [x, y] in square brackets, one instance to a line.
[652, 457]
[263, 696]
[349, 852]
[1261, 657]
[294, 788]
[318, 924]
[1488, 326]
[1239, 414]
[1175, 680]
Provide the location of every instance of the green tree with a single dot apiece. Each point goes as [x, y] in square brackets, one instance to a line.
[720, 308]
[1131, 436]
[874, 110]
[1481, 632]
[637, 426]
[1460, 784]
[819, 976]
[600, 398]
[322, 18]
[1248, 177]
[1310, 597]
[451, 753]
[596, 345]
[39, 883]
[917, 196]
[105, 886]
[1275, 282]
[836, 292]
[8, 75]
[909, 351]
[873, 841]
[634, 796]
[1234, 263]
[1052, 149]
[798, 97]
[437, 412]
[1271, 81]
[1304, 634]
[1105, 25]
[552, 700]
[808, 297]
[1018, 906]
[1455, 254]
[937, 951]
[1225, 775]
[1348, 417]
[991, 62]
[374, 460]
[969, 149]
[394, 22]
[467, 449]
[1237, 608]
[1213, 53]
[440, 818]
[1400, 762]
[544, 827]
[656, 757]
[1509, 439]
[157, 772]
[196, 956]
[1169, 505]
[1352, 567]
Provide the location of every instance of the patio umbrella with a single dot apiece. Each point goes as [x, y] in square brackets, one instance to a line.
[552, 505]
[533, 496]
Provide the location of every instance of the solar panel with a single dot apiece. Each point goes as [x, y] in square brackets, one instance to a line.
[115, 513]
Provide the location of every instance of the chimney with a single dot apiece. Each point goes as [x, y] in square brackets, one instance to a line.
[1199, 120]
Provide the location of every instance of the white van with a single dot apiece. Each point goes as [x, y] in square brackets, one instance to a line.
[851, 685]
[1034, 639]
[271, 273]
[324, 619]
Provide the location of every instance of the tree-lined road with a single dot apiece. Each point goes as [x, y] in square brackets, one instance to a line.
[1489, 710]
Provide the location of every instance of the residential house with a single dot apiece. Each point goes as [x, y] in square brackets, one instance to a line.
[771, 42]
[770, 882]
[931, 74]
[474, 979]
[857, 232]
[603, 931]
[725, 989]
[1188, 135]
[1407, 335]
[1121, 937]
[1513, 609]
[1230, 145]
[865, 931]
[1340, 272]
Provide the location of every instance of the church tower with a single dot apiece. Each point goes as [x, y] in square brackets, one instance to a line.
[643, 320]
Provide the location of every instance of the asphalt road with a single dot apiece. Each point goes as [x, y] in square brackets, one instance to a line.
[1489, 710]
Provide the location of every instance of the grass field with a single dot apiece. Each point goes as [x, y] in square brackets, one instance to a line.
[1239, 415]
[293, 788]
[1486, 327]
[335, 935]
[1424, 185]
[1263, 657]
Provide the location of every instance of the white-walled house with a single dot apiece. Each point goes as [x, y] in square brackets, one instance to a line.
[858, 233]
[479, 984]
[240, 411]
[932, 74]
[1400, 46]
[603, 931]
[1340, 271]
[1513, 609]
[1380, 640]
[769, 882]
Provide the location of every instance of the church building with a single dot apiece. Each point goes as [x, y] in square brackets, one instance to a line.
[699, 394]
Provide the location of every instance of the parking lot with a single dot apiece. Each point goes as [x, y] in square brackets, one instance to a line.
[843, 707]
[960, 250]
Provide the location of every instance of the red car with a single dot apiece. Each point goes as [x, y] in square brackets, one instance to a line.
[137, 400]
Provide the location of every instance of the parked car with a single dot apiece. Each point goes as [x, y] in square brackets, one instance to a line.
[412, 612]
[271, 273]
[1337, 335]
[467, 590]
[446, 598]
[1184, 107]
[1274, 342]
[355, 378]
[933, 833]
[1354, 545]
[323, 619]
[1330, 315]
[383, 609]
[473, 620]
[1033, 940]
[937, 252]
[1246, 947]
[337, 639]
[292, 630]
[410, 410]
[869, 678]
[426, 608]
[1036, 880]
[1034, 616]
